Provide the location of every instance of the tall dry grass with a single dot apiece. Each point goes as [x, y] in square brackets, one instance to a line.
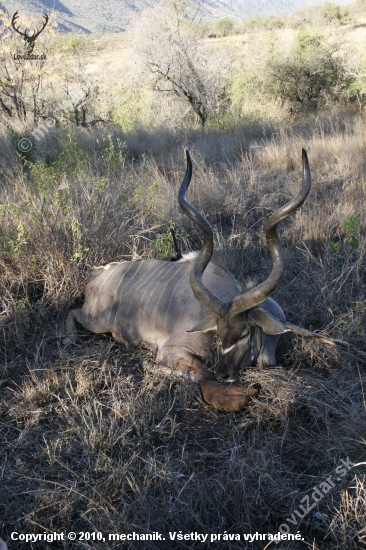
[94, 438]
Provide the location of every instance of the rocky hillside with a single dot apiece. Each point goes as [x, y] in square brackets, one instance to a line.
[114, 15]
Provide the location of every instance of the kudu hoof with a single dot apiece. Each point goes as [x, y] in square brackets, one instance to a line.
[228, 398]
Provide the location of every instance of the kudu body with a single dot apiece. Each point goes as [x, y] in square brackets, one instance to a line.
[179, 308]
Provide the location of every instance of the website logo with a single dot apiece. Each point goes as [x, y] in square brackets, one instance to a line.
[29, 39]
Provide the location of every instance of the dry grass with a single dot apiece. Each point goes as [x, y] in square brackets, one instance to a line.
[93, 438]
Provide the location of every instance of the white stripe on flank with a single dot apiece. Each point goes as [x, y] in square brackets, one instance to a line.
[170, 301]
[134, 275]
[132, 263]
[144, 302]
[226, 350]
[142, 283]
[153, 323]
[115, 294]
[99, 291]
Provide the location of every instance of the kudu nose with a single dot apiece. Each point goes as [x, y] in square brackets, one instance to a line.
[225, 376]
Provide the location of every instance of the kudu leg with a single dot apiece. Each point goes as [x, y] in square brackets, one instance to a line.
[223, 397]
[72, 316]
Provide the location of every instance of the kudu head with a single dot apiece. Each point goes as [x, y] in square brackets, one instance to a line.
[248, 326]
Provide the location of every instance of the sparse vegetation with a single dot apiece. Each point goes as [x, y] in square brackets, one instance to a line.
[93, 438]
[175, 62]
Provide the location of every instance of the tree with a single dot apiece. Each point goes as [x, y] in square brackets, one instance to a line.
[333, 14]
[20, 78]
[355, 80]
[176, 61]
[31, 90]
[225, 27]
[80, 94]
[307, 75]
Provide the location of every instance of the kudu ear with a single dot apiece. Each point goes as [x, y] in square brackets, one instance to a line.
[266, 321]
[209, 324]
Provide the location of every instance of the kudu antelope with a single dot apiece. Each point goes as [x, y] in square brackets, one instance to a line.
[179, 308]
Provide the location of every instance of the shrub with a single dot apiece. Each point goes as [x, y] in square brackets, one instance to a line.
[307, 76]
[225, 27]
[333, 14]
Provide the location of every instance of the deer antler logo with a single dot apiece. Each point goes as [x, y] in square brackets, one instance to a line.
[29, 39]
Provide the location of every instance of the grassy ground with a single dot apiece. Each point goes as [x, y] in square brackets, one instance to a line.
[94, 438]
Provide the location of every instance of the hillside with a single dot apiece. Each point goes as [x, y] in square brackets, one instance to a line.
[114, 15]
